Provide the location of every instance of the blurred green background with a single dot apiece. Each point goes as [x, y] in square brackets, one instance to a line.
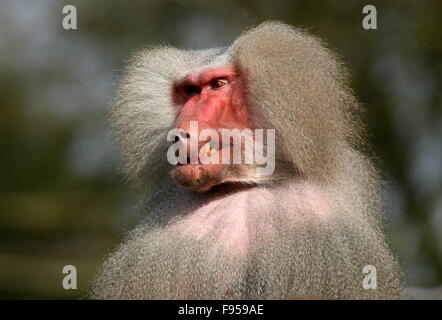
[61, 199]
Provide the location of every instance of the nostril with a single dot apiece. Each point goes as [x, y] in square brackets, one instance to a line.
[180, 163]
[177, 138]
[184, 134]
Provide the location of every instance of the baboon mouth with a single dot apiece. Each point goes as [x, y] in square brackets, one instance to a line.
[200, 177]
[212, 156]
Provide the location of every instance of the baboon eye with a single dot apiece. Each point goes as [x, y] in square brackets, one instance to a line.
[218, 83]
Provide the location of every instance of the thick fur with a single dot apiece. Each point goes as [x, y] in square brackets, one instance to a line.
[299, 86]
[307, 235]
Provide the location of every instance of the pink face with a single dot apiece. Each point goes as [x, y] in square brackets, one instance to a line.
[215, 99]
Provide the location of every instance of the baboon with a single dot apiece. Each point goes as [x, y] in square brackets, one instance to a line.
[228, 231]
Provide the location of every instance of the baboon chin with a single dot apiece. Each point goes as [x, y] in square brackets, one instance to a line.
[302, 218]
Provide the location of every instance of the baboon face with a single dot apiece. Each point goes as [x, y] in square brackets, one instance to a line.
[215, 128]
